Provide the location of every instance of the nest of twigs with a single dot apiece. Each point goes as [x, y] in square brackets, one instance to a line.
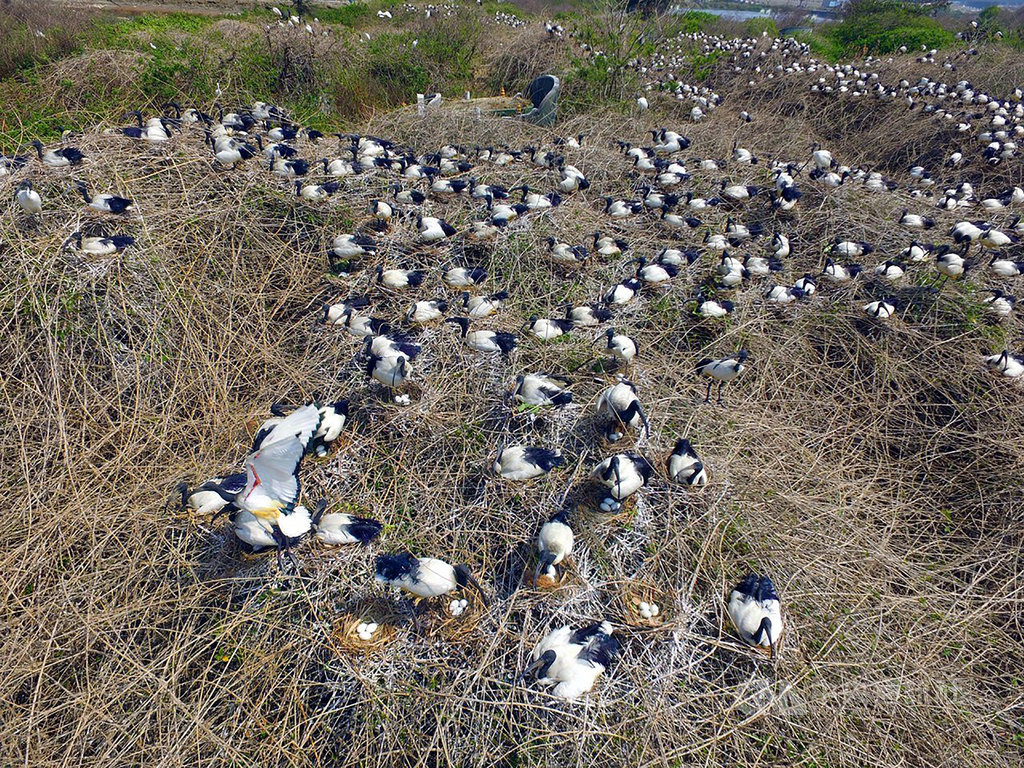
[437, 620]
[380, 611]
[628, 596]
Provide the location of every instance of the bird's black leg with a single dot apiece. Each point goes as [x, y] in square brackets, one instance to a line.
[414, 613]
[720, 385]
[707, 396]
[291, 556]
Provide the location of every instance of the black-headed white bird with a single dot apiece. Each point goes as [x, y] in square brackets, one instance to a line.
[1006, 267]
[655, 274]
[541, 389]
[756, 612]
[547, 328]
[891, 270]
[623, 475]
[840, 273]
[711, 308]
[272, 486]
[335, 314]
[58, 158]
[1006, 363]
[620, 209]
[104, 203]
[951, 264]
[432, 229]
[606, 245]
[737, 193]
[288, 169]
[214, 495]
[564, 253]
[684, 465]
[881, 309]
[101, 245]
[338, 528]
[915, 221]
[391, 370]
[621, 408]
[381, 210]
[587, 316]
[967, 232]
[254, 536]
[424, 577]
[554, 543]
[783, 294]
[483, 306]
[569, 662]
[400, 279]
[465, 277]
[677, 257]
[723, 370]
[356, 324]
[426, 311]
[781, 248]
[28, 199]
[333, 417]
[850, 249]
[806, 284]
[1000, 304]
[484, 341]
[525, 462]
[621, 347]
[622, 293]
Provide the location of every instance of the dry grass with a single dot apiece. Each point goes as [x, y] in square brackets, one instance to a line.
[869, 470]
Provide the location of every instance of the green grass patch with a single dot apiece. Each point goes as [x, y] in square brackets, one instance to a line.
[137, 32]
[350, 15]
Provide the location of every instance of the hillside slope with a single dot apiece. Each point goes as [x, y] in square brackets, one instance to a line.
[871, 468]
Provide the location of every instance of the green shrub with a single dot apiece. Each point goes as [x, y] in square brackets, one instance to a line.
[177, 73]
[394, 64]
[755, 27]
[882, 26]
[691, 22]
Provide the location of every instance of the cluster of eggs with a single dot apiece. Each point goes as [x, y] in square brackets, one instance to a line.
[365, 630]
[609, 504]
[648, 610]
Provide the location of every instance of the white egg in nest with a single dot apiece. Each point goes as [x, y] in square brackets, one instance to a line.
[458, 607]
[609, 504]
[402, 400]
[648, 610]
[365, 630]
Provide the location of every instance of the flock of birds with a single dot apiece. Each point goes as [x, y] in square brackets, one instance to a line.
[719, 240]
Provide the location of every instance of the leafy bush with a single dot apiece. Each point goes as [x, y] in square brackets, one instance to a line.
[757, 26]
[395, 66]
[882, 26]
[179, 73]
[691, 22]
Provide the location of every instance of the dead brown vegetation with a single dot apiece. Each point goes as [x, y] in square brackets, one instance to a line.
[870, 470]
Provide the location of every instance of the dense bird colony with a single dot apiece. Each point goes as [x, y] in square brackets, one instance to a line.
[415, 284]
